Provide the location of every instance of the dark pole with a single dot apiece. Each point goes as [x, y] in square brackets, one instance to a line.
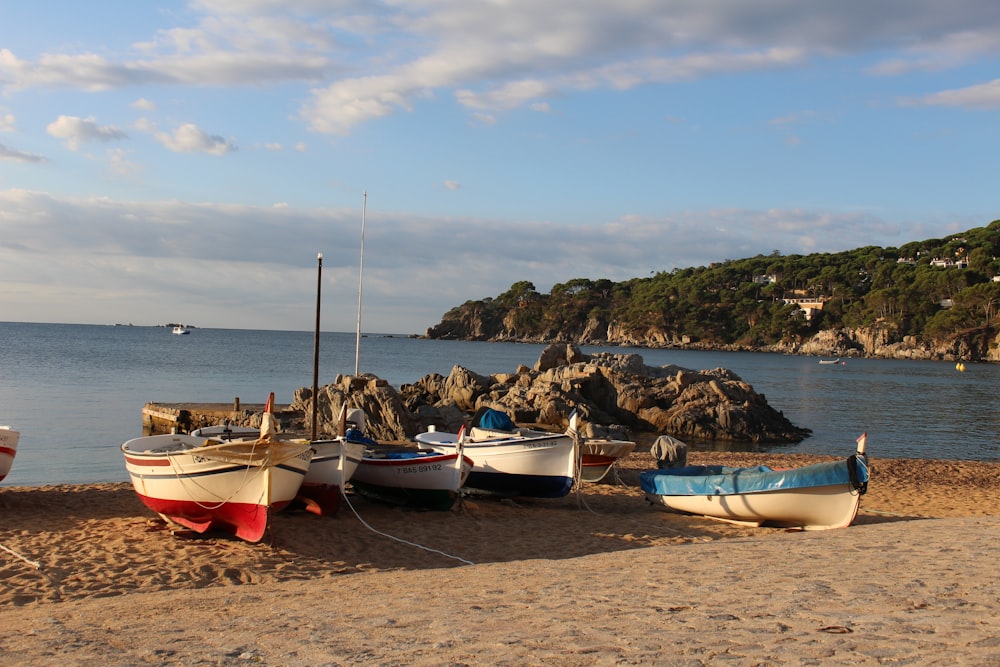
[315, 393]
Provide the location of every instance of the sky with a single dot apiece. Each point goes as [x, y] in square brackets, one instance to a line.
[188, 161]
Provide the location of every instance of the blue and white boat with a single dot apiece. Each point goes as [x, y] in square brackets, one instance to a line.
[814, 497]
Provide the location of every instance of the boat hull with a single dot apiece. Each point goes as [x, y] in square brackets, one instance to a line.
[818, 508]
[329, 470]
[8, 449]
[430, 480]
[538, 465]
[232, 488]
[333, 465]
[598, 457]
[818, 497]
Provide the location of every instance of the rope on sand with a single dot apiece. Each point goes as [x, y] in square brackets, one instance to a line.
[398, 539]
[33, 563]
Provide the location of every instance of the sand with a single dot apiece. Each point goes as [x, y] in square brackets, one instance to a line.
[89, 576]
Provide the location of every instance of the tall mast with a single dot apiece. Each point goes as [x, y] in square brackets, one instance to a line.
[315, 385]
[361, 275]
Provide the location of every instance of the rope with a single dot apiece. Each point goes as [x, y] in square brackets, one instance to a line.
[33, 563]
[398, 539]
[581, 502]
[181, 477]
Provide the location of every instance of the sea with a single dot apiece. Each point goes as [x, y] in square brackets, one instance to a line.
[76, 392]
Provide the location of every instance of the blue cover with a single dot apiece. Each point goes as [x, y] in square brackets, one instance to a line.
[354, 435]
[496, 421]
[724, 481]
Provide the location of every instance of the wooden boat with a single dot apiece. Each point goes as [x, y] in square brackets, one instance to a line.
[598, 457]
[333, 463]
[413, 477]
[207, 484]
[815, 497]
[8, 449]
[203, 484]
[518, 462]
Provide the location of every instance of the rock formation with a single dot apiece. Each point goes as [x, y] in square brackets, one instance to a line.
[613, 393]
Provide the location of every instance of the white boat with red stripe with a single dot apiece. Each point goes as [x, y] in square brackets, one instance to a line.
[8, 449]
[207, 484]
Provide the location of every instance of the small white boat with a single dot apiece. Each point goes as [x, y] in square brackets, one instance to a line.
[815, 497]
[832, 362]
[403, 475]
[598, 457]
[518, 462]
[8, 449]
[207, 484]
[180, 330]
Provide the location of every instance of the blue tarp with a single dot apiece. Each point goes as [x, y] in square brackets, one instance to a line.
[354, 435]
[496, 421]
[725, 481]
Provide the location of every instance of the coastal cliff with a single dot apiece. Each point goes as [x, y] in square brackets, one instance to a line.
[932, 299]
[980, 344]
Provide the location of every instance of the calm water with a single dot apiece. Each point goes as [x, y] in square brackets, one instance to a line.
[75, 392]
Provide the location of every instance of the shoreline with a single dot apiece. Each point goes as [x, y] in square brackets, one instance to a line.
[596, 579]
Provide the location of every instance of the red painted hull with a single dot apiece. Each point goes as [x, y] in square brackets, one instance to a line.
[247, 521]
[326, 496]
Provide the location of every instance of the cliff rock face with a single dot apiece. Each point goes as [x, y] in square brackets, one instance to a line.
[613, 393]
[875, 341]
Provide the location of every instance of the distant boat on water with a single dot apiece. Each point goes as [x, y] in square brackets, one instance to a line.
[180, 330]
[832, 362]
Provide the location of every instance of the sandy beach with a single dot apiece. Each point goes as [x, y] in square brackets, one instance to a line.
[89, 576]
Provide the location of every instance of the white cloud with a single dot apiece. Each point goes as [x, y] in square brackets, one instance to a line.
[11, 155]
[74, 131]
[452, 185]
[170, 253]
[143, 105]
[7, 122]
[121, 164]
[984, 96]
[372, 60]
[188, 138]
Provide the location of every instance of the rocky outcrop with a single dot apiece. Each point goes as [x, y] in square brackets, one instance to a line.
[613, 393]
[982, 344]
[386, 416]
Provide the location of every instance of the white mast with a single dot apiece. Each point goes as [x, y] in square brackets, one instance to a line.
[361, 274]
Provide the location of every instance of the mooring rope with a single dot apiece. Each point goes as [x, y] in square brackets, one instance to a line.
[33, 563]
[184, 479]
[364, 523]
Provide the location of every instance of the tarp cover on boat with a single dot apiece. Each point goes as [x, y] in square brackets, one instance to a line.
[725, 481]
[354, 435]
[496, 420]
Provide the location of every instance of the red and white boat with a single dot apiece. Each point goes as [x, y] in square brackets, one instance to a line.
[8, 448]
[207, 484]
[598, 456]
[333, 464]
